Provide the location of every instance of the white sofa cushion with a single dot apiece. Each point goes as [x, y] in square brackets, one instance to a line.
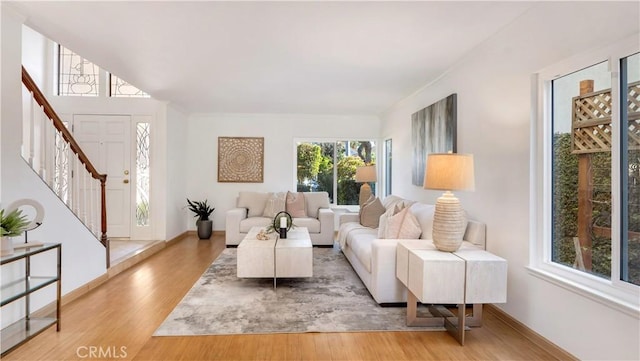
[254, 202]
[424, 215]
[247, 223]
[315, 201]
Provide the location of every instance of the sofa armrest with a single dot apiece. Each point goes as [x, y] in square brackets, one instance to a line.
[232, 225]
[327, 224]
[383, 271]
[349, 217]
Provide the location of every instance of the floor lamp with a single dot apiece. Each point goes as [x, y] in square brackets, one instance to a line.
[364, 175]
[449, 172]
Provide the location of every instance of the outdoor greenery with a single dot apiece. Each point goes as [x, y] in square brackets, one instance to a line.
[565, 208]
[316, 168]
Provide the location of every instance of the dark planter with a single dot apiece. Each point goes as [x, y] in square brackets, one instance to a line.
[204, 229]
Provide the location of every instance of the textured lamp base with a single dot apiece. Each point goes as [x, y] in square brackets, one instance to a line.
[449, 223]
[365, 193]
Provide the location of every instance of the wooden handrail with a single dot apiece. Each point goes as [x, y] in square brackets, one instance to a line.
[59, 125]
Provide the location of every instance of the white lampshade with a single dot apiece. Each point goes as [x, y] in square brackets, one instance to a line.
[449, 171]
[366, 173]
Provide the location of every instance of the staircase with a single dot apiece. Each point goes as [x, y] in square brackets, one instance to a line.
[52, 152]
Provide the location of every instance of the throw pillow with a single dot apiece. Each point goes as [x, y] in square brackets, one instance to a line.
[254, 202]
[370, 213]
[275, 204]
[295, 205]
[384, 219]
[403, 225]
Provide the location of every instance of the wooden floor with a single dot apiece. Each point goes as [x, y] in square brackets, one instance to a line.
[117, 320]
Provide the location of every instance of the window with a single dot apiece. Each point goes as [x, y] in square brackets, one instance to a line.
[586, 233]
[118, 88]
[142, 173]
[330, 166]
[630, 170]
[387, 167]
[76, 75]
[582, 170]
[79, 77]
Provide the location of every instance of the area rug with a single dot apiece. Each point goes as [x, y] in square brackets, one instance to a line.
[333, 300]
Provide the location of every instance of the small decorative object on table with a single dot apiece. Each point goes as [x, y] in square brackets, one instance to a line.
[262, 235]
[12, 224]
[281, 222]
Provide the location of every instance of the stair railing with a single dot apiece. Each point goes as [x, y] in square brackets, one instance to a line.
[54, 154]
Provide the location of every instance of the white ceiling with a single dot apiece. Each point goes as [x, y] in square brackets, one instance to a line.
[274, 57]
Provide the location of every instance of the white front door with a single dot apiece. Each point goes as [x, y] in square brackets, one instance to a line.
[106, 140]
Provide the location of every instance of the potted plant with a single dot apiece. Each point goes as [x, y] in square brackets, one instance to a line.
[11, 225]
[202, 211]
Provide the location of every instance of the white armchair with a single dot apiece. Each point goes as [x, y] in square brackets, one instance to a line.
[250, 212]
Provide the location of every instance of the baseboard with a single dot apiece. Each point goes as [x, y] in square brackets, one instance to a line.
[50, 308]
[179, 237]
[213, 233]
[529, 334]
[132, 261]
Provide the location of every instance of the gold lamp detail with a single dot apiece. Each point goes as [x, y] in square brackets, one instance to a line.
[364, 175]
[449, 172]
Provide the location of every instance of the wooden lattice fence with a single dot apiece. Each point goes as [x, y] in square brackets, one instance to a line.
[591, 121]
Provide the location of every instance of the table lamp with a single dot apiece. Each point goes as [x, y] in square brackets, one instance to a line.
[364, 175]
[449, 172]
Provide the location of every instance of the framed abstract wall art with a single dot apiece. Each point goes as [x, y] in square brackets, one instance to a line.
[433, 130]
[241, 159]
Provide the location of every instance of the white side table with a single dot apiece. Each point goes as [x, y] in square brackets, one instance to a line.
[467, 276]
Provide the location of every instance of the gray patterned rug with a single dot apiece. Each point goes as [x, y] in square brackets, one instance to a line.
[333, 300]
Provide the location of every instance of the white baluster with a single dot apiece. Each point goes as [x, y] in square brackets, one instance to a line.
[31, 130]
[76, 185]
[85, 187]
[98, 219]
[91, 204]
[43, 144]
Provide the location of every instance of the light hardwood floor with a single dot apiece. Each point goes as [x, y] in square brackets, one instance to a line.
[117, 319]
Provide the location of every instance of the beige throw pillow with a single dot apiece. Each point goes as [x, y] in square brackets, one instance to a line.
[275, 204]
[384, 219]
[295, 205]
[403, 225]
[370, 213]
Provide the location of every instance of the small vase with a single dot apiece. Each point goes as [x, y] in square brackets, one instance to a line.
[204, 229]
[6, 247]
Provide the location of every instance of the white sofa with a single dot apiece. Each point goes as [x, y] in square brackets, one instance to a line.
[374, 258]
[319, 220]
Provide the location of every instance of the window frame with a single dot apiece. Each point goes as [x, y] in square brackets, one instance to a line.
[611, 292]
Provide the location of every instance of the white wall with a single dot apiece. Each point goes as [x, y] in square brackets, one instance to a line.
[83, 257]
[279, 132]
[175, 149]
[494, 91]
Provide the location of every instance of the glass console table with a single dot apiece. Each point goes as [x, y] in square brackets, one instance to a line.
[21, 288]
